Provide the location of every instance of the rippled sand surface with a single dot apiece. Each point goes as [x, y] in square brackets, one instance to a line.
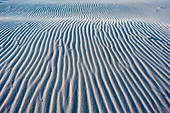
[84, 57]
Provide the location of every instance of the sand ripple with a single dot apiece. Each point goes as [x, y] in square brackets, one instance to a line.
[84, 65]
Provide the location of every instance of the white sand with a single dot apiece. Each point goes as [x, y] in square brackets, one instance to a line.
[85, 57]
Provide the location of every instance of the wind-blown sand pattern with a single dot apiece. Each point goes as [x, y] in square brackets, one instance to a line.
[80, 58]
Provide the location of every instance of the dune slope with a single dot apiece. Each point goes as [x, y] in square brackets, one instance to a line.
[80, 58]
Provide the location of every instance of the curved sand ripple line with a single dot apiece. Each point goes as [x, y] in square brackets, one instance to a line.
[84, 65]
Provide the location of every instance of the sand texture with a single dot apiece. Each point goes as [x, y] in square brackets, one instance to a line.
[80, 58]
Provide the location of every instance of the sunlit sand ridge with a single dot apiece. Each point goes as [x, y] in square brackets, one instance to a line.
[81, 58]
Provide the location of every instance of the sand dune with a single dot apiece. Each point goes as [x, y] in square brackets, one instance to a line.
[81, 58]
